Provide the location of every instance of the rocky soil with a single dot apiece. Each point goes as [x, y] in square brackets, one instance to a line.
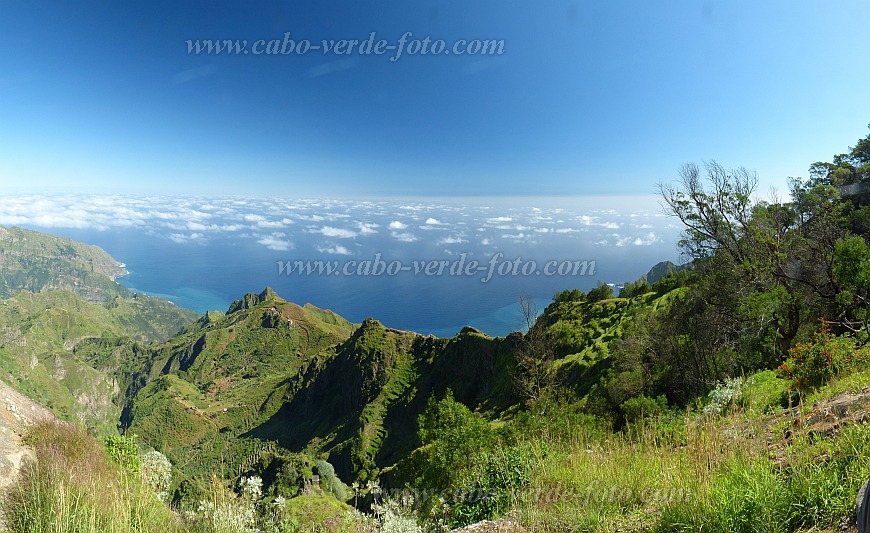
[17, 412]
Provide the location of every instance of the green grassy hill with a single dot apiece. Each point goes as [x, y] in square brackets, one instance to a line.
[610, 413]
[42, 347]
[197, 395]
[63, 315]
[361, 405]
[38, 262]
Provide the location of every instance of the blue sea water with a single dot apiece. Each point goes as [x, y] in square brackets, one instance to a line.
[207, 263]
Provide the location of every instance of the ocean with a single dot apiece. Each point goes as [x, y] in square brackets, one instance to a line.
[203, 253]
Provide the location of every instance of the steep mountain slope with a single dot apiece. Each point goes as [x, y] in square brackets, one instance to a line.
[17, 413]
[38, 262]
[40, 335]
[60, 295]
[271, 375]
[361, 406]
[662, 269]
[194, 395]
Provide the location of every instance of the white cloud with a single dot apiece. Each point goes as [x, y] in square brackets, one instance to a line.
[276, 243]
[367, 228]
[197, 226]
[181, 238]
[433, 221]
[404, 236]
[648, 239]
[334, 249]
[267, 224]
[397, 225]
[338, 233]
[451, 240]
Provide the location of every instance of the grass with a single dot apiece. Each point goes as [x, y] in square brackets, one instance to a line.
[702, 473]
[75, 487]
[675, 473]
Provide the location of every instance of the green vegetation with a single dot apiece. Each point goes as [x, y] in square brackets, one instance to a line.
[63, 351]
[38, 262]
[75, 486]
[727, 394]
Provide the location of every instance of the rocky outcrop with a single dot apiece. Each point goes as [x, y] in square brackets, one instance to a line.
[508, 524]
[252, 300]
[17, 412]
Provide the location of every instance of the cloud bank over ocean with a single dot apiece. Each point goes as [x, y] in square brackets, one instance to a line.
[348, 227]
[203, 252]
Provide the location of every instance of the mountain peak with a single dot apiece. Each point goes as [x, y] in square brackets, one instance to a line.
[251, 299]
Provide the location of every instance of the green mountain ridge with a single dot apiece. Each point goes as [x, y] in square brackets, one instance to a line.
[41, 335]
[60, 296]
[385, 377]
[267, 375]
[690, 401]
[226, 374]
[38, 262]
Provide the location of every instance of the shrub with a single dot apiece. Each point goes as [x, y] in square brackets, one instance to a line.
[727, 394]
[491, 488]
[396, 516]
[811, 365]
[453, 437]
[324, 469]
[330, 482]
[251, 487]
[157, 472]
[641, 407]
[124, 451]
[74, 486]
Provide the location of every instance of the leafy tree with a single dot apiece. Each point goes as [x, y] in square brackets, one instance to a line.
[601, 292]
[638, 288]
[671, 281]
[851, 269]
[453, 437]
[330, 482]
[569, 295]
[759, 252]
[678, 351]
[851, 168]
[718, 218]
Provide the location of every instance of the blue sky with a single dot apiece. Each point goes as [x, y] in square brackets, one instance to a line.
[587, 98]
